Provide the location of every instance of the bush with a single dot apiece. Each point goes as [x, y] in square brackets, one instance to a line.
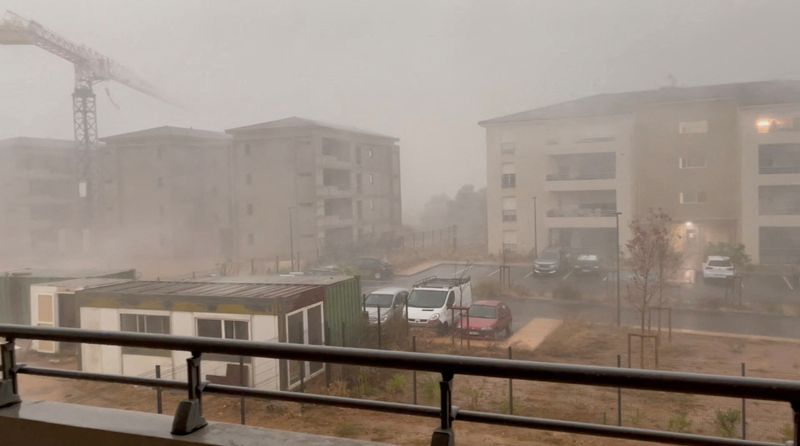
[486, 289]
[680, 423]
[735, 251]
[727, 422]
[430, 390]
[397, 384]
[787, 432]
[566, 291]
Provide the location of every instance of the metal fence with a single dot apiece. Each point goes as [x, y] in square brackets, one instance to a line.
[189, 418]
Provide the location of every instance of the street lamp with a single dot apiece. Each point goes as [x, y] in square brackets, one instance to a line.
[535, 231]
[291, 237]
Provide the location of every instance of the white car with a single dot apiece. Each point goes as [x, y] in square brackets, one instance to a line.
[718, 267]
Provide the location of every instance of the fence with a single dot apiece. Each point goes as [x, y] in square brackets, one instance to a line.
[188, 417]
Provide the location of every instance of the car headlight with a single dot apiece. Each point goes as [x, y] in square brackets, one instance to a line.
[435, 317]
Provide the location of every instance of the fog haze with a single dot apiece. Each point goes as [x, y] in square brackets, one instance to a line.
[425, 72]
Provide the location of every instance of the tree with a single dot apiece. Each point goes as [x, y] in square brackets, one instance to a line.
[467, 210]
[652, 256]
[735, 251]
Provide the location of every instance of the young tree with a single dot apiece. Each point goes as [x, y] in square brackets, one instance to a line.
[652, 257]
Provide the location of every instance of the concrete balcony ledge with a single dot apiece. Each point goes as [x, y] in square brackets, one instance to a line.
[46, 423]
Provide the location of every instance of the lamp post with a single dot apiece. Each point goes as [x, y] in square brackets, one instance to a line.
[619, 306]
[291, 236]
[535, 231]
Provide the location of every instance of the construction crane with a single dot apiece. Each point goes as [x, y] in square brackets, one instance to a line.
[91, 67]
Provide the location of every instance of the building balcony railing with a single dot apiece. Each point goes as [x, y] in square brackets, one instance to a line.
[336, 220]
[189, 416]
[334, 191]
[607, 210]
[769, 170]
[580, 176]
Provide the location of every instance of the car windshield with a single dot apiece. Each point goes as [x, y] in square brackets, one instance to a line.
[723, 263]
[549, 255]
[379, 300]
[427, 298]
[483, 312]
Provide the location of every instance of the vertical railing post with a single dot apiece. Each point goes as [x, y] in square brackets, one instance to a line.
[796, 416]
[619, 395]
[189, 415]
[159, 402]
[9, 392]
[380, 340]
[444, 435]
[414, 372]
[744, 410]
[510, 388]
[243, 384]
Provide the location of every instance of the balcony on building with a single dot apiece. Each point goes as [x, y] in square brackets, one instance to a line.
[581, 171]
[335, 183]
[335, 153]
[582, 209]
[338, 213]
[776, 159]
[779, 205]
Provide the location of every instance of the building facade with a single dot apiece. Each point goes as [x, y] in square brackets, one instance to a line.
[723, 161]
[312, 188]
[38, 200]
[164, 194]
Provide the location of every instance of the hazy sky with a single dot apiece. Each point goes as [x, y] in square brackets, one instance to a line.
[424, 71]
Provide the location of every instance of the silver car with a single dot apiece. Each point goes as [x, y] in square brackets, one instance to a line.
[388, 302]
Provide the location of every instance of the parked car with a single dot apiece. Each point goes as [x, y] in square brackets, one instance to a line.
[432, 301]
[718, 267]
[389, 303]
[374, 268]
[587, 264]
[487, 319]
[550, 262]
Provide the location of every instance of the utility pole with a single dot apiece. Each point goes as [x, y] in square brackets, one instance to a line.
[619, 303]
[535, 231]
[291, 237]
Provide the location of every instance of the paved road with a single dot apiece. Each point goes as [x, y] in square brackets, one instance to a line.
[756, 287]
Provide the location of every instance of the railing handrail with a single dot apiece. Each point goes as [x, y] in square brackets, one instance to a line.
[682, 382]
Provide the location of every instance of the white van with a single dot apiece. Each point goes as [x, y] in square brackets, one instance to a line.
[436, 302]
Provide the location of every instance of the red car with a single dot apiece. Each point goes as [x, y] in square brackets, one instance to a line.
[487, 319]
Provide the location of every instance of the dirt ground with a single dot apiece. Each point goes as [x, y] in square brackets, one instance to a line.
[573, 342]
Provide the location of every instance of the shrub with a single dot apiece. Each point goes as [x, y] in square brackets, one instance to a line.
[787, 432]
[475, 396]
[486, 289]
[680, 422]
[396, 384]
[735, 251]
[430, 390]
[566, 291]
[727, 422]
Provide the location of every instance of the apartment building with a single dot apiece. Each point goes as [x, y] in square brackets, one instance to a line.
[164, 194]
[722, 160]
[313, 187]
[39, 218]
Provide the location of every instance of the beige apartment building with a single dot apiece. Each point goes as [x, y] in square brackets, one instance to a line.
[722, 160]
[316, 187]
[164, 194]
[39, 218]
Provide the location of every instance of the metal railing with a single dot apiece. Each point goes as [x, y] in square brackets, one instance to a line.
[189, 417]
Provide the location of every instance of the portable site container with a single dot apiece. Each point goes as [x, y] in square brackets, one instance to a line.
[15, 288]
[343, 302]
[249, 311]
[53, 304]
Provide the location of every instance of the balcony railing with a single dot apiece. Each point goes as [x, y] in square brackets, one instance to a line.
[601, 211]
[580, 176]
[189, 417]
[767, 170]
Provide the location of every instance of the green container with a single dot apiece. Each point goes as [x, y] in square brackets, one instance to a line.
[343, 306]
[15, 288]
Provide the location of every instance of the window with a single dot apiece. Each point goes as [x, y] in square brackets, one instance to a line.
[370, 152]
[359, 210]
[144, 323]
[223, 329]
[358, 155]
[251, 239]
[767, 125]
[508, 148]
[358, 183]
[248, 179]
[509, 176]
[371, 179]
[690, 127]
[692, 161]
[159, 152]
[509, 240]
[371, 205]
[692, 197]
[509, 209]
[247, 149]
[249, 209]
